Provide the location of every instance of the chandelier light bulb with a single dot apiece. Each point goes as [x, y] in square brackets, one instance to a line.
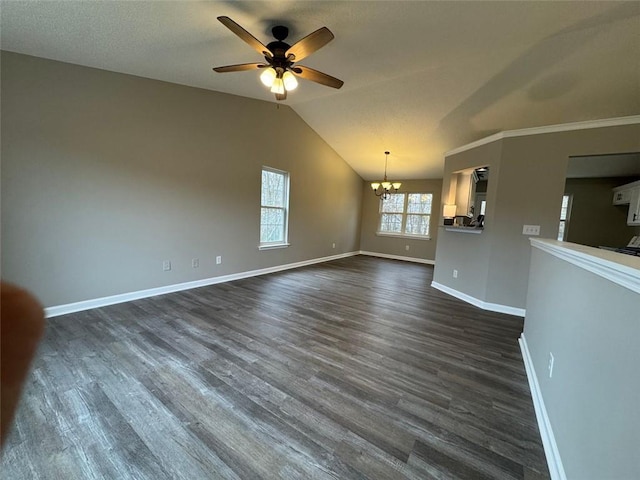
[267, 77]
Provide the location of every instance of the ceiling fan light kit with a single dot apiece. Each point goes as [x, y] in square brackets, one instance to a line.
[280, 73]
[278, 86]
[290, 82]
[385, 188]
[268, 76]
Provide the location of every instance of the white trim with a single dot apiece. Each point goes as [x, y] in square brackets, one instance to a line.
[478, 143]
[403, 235]
[475, 230]
[621, 269]
[562, 127]
[492, 307]
[152, 292]
[554, 461]
[273, 246]
[398, 257]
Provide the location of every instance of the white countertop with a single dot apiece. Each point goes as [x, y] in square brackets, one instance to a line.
[456, 228]
[617, 267]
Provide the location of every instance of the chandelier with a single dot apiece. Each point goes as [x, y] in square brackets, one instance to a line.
[385, 188]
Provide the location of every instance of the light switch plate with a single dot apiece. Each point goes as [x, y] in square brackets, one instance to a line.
[531, 230]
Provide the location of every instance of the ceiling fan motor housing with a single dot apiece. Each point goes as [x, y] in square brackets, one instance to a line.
[278, 50]
[280, 32]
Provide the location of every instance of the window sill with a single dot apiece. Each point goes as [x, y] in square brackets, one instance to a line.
[273, 246]
[400, 235]
[452, 228]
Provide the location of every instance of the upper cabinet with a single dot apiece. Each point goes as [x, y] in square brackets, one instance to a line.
[621, 196]
[629, 194]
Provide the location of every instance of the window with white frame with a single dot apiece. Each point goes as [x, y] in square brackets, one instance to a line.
[406, 214]
[565, 213]
[274, 208]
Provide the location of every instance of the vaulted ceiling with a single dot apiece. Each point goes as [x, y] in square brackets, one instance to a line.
[420, 77]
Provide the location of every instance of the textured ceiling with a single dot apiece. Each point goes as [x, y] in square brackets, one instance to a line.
[420, 77]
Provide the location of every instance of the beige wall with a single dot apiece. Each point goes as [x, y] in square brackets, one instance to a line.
[106, 175]
[591, 327]
[526, 185]
[420, 249]
[468, 253]
[594, 219]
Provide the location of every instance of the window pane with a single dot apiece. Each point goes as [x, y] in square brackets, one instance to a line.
[394, 204]
[271, 225]
[561, 230]
[274, 206]
[417, 225]
[419, 203]
[565, 207]
[391, 222]
[483, 207]
[406, 213]
[273, 185]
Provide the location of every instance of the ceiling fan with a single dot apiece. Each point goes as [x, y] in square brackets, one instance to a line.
[280, 70]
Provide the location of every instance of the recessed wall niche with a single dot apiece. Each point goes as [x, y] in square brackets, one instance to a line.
[468, 192]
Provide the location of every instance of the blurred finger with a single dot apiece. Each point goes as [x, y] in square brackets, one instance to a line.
[22, 324]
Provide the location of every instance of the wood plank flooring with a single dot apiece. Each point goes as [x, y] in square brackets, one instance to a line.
[349, 369]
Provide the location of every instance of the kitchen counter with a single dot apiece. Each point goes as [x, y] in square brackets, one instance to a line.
[453, 228]
[617, 267]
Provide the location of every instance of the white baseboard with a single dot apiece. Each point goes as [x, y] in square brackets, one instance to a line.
[554, 462]
[152, 292]
[398, 257]
[492, 307]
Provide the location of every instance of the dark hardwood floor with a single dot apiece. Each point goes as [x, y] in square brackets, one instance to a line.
[354, 368]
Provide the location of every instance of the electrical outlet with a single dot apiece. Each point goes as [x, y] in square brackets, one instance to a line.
[166, 265]
[195, 262]
[551, 359]
[334, 245]
[531, 229]
[406, 247]
[218, 260]
[455, 273]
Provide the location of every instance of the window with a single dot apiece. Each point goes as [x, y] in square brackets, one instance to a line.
[406, 214]
[274, 208]
[565, 213]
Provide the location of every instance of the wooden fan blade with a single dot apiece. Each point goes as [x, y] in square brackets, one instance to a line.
[246, 36]
[241, 67]
[281, 96]
[316, 76]
[309, 44]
